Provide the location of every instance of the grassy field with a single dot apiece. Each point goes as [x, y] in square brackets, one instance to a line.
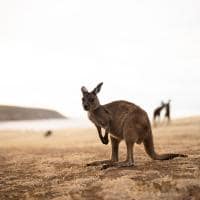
[35, 167]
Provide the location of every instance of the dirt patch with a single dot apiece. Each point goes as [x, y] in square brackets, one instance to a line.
[32, 167]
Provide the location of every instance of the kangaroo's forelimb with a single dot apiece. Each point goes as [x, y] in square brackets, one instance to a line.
[104, 139]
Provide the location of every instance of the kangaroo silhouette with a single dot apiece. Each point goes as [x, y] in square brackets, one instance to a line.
[123, 121]
[157, 111]
[167, 111]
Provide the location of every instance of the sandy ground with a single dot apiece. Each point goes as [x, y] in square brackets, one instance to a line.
[35, 167]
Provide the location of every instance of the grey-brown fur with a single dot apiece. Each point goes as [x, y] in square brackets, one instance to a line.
[123, 121]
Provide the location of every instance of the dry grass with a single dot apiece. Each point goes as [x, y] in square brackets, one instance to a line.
[35, 167]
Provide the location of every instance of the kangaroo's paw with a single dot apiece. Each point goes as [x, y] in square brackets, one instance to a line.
[106, 166]
[124, 164]
[118, 164]
[99, 162]
[105, 140]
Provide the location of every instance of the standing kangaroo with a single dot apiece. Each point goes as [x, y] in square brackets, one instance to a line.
[167, 112]
[123, 120]
[156, 113]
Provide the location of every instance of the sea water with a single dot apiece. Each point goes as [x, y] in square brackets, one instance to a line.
[47, 124]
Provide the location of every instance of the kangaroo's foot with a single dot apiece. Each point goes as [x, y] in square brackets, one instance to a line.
[99, 162]
[105, 140]
[118, 164]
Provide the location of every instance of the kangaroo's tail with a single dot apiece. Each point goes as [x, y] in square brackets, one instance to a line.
[149, 148]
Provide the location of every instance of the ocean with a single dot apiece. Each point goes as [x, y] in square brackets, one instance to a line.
[47, 124]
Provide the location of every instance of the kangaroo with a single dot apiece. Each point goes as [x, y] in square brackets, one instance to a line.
[167, 112]
[156, 113]
[123, 121]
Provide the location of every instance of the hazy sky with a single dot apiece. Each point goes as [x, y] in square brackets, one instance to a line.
[144, 51]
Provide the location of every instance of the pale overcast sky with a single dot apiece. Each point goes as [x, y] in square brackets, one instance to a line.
[144, 51]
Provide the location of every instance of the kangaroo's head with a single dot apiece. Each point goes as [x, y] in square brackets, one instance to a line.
[162, 104]
[90, 100]
[168, 103]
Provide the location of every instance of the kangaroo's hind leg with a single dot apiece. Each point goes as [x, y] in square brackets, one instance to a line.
[129, 162]
[130, 135]
[115, 149]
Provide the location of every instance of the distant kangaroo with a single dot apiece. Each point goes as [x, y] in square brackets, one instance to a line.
[123, 120]
[167, 112]
[156, 113]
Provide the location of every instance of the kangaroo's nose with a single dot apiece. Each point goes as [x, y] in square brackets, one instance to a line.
[86, 107]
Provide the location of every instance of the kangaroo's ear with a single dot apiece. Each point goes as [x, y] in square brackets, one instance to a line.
[84, 89]
[97, 88]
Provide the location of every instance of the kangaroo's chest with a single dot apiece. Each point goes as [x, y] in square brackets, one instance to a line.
[98, 120]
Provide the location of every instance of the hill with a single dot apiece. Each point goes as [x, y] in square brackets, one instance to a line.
[14, 113]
